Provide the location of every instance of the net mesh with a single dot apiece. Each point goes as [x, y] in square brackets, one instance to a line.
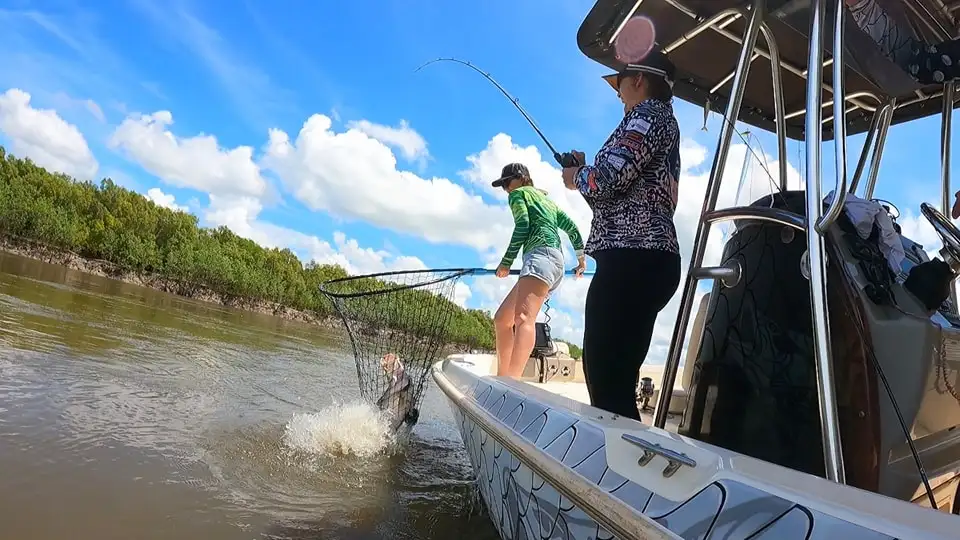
[397, 326]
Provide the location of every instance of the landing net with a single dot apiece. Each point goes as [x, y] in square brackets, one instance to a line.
[397, 326]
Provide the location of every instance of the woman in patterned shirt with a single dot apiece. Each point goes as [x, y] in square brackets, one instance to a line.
[537, 225]
[632, 190]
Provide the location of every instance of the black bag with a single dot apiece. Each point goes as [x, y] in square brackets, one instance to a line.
[930, 282]
[543, 343]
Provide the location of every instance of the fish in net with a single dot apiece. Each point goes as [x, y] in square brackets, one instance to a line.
[397, 326]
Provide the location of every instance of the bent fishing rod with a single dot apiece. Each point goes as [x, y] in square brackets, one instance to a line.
[566, 159]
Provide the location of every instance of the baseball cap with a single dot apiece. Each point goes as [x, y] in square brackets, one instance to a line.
[655, 63]
[511, 171]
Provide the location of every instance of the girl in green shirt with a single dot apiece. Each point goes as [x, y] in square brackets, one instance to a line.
[537, 225]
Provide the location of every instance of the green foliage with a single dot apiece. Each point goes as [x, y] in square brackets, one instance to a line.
[120, 226]
[575, 351]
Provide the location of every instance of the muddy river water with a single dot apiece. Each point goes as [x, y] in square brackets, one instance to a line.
[126, 413]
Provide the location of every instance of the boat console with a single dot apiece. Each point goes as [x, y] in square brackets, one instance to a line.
[754, 387]
[815, 353]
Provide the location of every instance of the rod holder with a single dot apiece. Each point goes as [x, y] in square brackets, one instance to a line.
[728, 273]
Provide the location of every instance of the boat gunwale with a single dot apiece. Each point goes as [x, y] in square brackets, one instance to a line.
[614, 515]
[834, 500]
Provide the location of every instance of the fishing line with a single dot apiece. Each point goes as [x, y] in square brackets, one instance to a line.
[566, 159]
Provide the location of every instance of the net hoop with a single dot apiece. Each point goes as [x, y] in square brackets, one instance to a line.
[327, 287]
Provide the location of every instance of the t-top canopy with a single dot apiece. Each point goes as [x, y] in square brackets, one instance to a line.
[705, 61]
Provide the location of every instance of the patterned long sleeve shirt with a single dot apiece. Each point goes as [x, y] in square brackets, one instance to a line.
[537, 222]
[633, 184]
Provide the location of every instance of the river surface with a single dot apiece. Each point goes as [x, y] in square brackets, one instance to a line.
[126, 413]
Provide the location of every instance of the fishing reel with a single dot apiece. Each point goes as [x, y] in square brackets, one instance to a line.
[567, 159]
[645, 392]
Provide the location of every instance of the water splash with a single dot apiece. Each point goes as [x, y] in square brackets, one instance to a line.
[355, 429]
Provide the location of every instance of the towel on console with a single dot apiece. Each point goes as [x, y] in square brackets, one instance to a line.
[864, 214]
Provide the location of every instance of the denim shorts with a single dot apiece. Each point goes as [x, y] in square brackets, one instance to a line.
[545, 264]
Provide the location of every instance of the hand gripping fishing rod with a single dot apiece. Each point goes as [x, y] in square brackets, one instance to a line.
[565, 159]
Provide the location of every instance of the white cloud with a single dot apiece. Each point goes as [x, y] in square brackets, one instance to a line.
[164, 199]
[191, 162]
[566, 325]
[360, 260]
[485, 167]
[917, 228]
[236, 189]
[63, 100]
[353, 175]
[43, 136]
[240, 214]
[461, 294]
[404, 138]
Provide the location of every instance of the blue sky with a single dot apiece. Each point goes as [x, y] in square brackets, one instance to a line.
[360, 189]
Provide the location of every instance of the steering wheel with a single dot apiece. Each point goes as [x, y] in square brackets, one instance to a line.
[946, 230]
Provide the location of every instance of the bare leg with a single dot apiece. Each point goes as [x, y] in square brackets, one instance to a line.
[503, 327]
[530, 295]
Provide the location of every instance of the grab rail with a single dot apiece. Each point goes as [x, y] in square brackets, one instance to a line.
[611, 513]
[776, 215]
[840, 126]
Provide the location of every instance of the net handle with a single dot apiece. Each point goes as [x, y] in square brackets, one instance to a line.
[453, 273]
[514, 272]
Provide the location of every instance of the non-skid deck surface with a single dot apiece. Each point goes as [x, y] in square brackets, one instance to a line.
[578, 392]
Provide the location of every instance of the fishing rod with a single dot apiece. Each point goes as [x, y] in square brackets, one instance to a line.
[566, 159]
[513, 272]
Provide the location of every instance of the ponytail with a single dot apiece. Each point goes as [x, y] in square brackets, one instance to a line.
[526, 181]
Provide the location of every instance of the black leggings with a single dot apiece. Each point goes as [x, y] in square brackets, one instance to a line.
[628, 290]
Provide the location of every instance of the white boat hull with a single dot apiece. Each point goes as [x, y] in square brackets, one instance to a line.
[550, 467]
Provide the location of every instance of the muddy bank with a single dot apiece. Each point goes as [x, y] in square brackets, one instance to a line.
[34, 250]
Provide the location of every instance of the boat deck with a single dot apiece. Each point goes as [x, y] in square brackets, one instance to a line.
[484, 365]
[577, 391]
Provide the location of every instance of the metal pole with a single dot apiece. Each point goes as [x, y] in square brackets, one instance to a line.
[766, 54]
[946, 136]
[839, 122]
[878, 149]
[726, 78]
[709, 204]
[779, 109]
[703, 26]
[832, 450]
[829, 102]
[867, 145]
[946, 133]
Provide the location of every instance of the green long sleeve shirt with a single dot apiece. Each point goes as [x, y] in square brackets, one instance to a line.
[537, 223]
